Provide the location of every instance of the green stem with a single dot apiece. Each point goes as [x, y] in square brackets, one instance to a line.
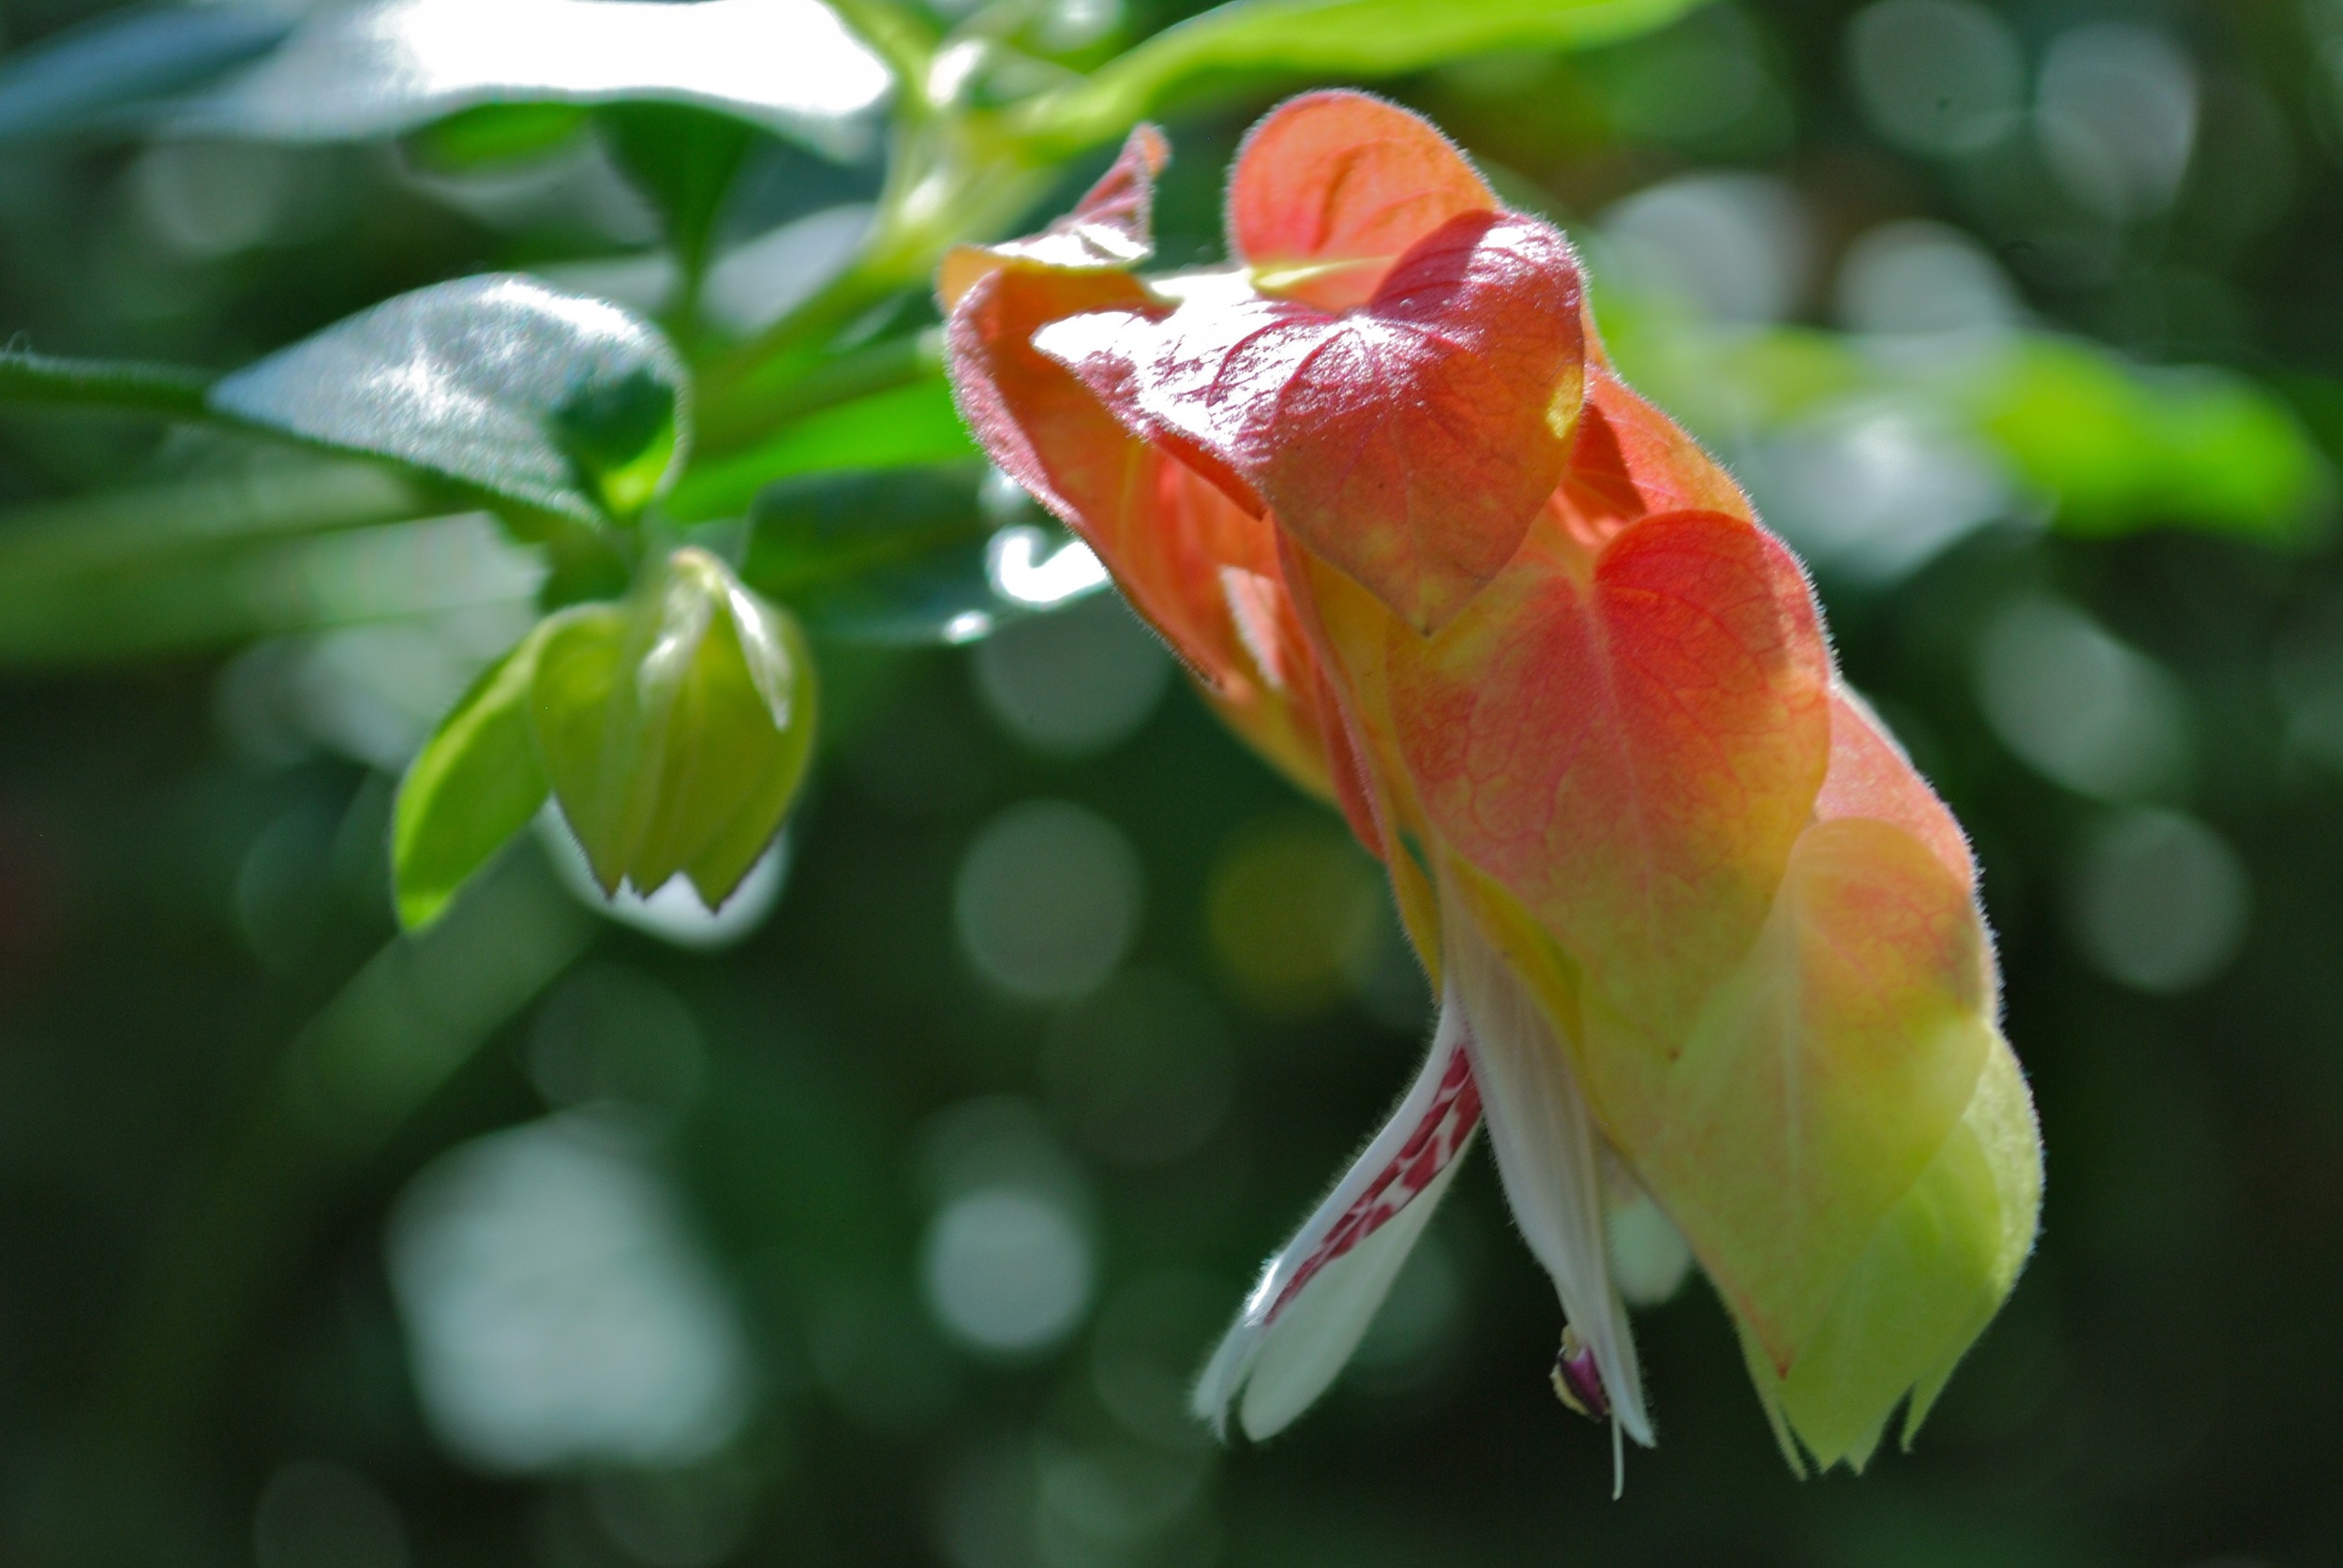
[172, 390]
[904, 41]
[749, 392]
[743, 421]
[735, 381]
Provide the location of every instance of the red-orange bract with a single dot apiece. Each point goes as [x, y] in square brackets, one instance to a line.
[1702, 935]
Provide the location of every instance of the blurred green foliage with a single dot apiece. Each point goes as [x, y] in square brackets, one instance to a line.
[883, 1216]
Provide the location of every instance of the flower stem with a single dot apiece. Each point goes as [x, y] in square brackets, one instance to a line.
[172, 390]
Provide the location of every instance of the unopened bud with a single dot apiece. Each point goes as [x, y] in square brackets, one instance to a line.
[675, 729]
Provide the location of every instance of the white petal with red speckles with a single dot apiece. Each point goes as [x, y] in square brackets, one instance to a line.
[1319, 1292]
[1307, 1344]
[1549, 1153]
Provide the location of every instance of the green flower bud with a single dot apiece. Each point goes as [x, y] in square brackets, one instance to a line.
[674, 729]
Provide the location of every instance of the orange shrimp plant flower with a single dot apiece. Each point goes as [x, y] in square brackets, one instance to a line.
[1701, 934]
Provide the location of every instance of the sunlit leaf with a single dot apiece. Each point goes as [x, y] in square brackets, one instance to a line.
[1329, 37]
[109, 70]
[386, 68]
[473, 785]
[898, 428]
[563, 402]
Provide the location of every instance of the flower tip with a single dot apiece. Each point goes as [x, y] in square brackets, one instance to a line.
[1577, 1381]
[1146, 146]
[1223, 1377]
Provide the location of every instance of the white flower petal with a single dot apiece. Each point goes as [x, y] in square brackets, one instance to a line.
[1318, 1294]
[1549, 1153]
[1307, 1344]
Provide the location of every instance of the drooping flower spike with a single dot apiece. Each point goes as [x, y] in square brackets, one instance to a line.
[1704, 940]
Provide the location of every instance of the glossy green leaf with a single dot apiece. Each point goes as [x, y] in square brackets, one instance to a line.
[901, 427]
[675, 729]
[561, 401]
[106, 71]
[1333, 38]
[391, 67]
[474, 785]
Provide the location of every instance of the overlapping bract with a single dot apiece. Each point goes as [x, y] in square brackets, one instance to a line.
[1377, 485]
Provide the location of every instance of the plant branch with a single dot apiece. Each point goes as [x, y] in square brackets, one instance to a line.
[745, 420]
[904, 41]
[171, 391]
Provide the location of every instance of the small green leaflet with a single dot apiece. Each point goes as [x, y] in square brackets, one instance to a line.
[473, 785]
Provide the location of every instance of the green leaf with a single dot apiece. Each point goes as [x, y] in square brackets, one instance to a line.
[675, 729]
[683, 159]
[474, 785]
[621, 434]
[265, 586]
[494, 133]
[2120, 447]
[1319, 37]
[2109, 445]
[390, 68]
[902, 428]
[268, 494]
[879, 557]
[561, 401]
[901, 557]
[105, 71]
